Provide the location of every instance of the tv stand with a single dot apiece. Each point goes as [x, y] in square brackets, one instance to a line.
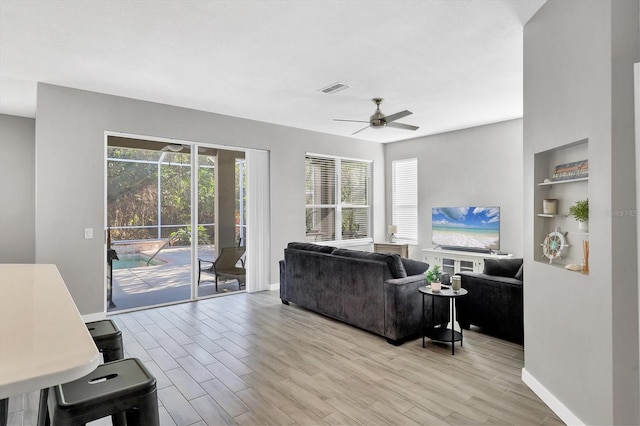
[466, 249]
[454, 261]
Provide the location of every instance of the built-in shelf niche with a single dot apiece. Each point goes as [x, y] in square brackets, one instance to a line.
[566, 192]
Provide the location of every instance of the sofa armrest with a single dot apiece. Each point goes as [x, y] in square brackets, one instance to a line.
[412, 279]
[403, 308]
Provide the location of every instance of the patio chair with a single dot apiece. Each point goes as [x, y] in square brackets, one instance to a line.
[225, 266]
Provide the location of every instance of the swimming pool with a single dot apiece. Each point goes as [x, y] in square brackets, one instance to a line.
[135, 260]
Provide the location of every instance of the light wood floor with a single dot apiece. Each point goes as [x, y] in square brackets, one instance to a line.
[248, 359]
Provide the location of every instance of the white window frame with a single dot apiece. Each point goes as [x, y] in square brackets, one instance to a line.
[404, 199]
[338, 205]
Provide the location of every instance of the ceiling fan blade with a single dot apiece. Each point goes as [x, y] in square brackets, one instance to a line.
[402, 126]
[396, 116]
[351, 121]
[358, 131]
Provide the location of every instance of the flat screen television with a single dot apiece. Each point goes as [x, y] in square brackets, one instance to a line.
[466, 228]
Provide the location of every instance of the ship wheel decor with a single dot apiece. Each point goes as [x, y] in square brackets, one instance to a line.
[553, 245]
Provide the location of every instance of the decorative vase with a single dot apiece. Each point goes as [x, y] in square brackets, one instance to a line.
[549, 206]
[583, 226]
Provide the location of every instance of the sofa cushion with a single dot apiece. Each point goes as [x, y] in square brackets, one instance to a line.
[310, 247]
[502, 267]
[393, 260]
[414, 267]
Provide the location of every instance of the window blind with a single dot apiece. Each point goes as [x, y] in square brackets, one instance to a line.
[337, 198]
[405, 198]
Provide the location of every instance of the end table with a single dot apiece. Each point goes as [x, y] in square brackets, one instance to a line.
[441, 334]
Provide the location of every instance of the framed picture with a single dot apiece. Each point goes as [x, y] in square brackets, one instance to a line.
[575, 170]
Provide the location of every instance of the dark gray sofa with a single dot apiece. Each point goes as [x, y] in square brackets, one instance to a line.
[368, 290]
[494, 302]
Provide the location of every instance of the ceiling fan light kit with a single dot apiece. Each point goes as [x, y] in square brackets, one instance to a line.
[378, 120]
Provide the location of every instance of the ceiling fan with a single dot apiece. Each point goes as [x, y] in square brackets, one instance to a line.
[379, 120]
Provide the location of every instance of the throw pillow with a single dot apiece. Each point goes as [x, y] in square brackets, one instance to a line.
[392, 260]
[414, 267]
[502, 267]
[519, 274]
[310, 247]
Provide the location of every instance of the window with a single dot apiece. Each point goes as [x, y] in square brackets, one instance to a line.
[337, 198]
[405, 198]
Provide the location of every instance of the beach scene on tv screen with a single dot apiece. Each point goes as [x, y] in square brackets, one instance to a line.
[472, 227]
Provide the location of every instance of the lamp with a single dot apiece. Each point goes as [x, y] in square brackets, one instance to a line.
[392, 233]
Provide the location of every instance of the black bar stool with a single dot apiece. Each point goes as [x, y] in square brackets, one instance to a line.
[114, 387]
[108, 339]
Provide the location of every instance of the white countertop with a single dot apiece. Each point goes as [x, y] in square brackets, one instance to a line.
[43, 339]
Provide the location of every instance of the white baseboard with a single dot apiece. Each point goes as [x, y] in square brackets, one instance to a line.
[270, 287]
[98, 316]
[548, 398]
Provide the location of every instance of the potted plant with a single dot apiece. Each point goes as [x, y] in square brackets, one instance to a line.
[433, 276]
[580, 210]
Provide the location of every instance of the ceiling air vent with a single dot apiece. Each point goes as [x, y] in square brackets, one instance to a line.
[335, 88]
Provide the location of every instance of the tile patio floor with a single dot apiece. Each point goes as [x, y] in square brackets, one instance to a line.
[165, 283]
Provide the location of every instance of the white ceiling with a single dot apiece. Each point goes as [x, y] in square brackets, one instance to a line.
[454, 64]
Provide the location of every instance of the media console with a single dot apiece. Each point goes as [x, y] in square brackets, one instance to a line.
[454, 261]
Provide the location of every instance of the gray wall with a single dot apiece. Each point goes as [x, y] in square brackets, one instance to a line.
[17, 189]
[581, 332]
[70, 151]
[477, 166]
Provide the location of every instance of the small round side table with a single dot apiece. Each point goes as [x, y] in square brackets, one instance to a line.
[441, 334]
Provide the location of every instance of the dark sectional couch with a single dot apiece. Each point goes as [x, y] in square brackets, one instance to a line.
[494, 302]
[373, 291]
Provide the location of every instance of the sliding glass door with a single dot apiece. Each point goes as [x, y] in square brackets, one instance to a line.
[171, 209]
[149, 223]
[221, 252]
